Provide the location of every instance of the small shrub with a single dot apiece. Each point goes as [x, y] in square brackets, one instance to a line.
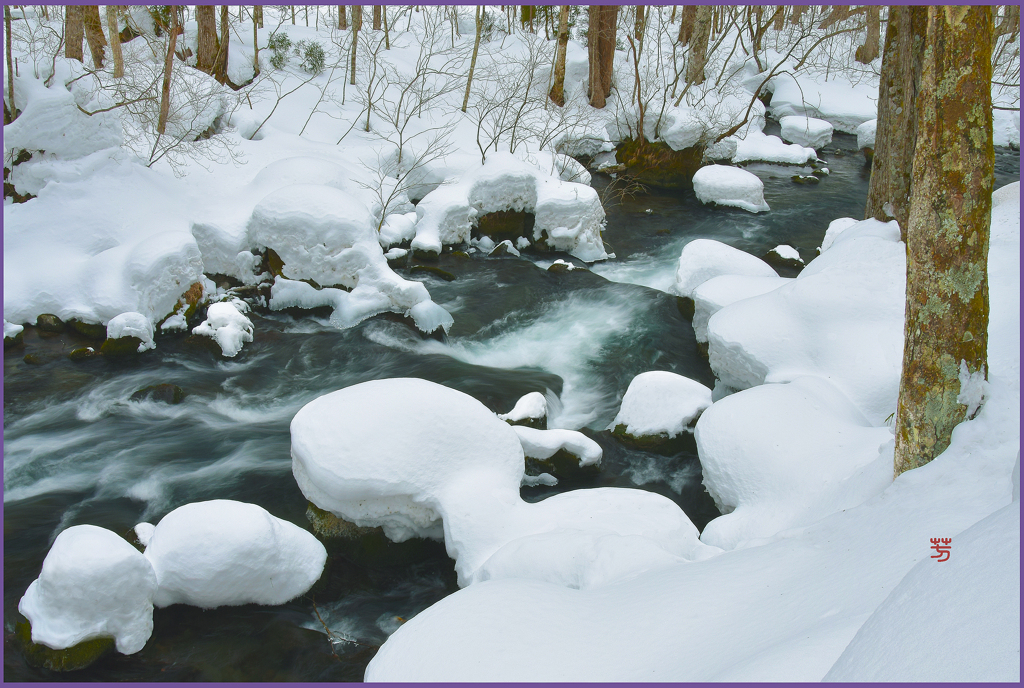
[279, 44]
[313, 57]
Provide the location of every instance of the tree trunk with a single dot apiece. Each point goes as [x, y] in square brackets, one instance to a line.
[115, 41]
[946, 332]
[342, 19]
[94, 33]
[557, 93]
[699, 46]
[376, 17]
[638, 24]
[601, 45]
[780, 18]
[165, 92]
[10, 67]
[206, 42]
[293, 13]
[221, 70]
[896, 133]
[357, 23]
[687, 19]
[1010, 23]
[259, 15]
[866, 53]
[476, 49]
[255, 43]
[838, 14]
[387, 36]
[798, 11]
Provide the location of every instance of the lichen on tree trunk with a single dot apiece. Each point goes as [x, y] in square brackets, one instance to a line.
[948, 232]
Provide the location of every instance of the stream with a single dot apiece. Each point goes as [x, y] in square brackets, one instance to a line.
[77, 450]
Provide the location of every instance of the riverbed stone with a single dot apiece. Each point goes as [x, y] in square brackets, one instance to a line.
[69, 659]
[165, 393]
[122, 346]
[83, 352]
[656, 164]
[89, 330]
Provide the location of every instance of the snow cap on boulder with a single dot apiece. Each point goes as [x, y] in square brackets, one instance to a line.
[702, 259]
[132, 325]
[731, 186]
[806, 131]
[93, 584]
[227, 326]
[661, 403]
[223, 553]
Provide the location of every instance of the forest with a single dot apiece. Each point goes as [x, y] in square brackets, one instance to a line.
[511, 343]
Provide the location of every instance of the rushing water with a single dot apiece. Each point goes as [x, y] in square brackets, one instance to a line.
[77, 450]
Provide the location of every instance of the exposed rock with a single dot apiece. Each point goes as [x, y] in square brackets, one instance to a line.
[805, 179]
[434, 270]
[16, 340]
[90, 330]
[69, 659]
[656, 164]
[165, 393]
[47, 322]
[122, 346]
[504, 224]
[82, 353]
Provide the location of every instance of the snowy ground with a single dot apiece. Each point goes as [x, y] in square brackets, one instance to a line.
[820, 550]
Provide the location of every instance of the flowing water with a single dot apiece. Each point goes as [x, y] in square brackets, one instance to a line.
[77, 450]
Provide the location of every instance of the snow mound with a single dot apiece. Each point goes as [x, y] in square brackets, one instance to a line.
[729, 186]
[661, 403]
[702, 259]
[227, 326]
[780, 456]
[93, 584]
[567, 215]
[11, 330]
[787, 252]
[532, 406]
[711, 296]
[224, 553]
[866, 134]
[970, 605]
[132, 325]
[440, 464]
[758, 146]
[833, 98]
[543, 444]
[835, 228]
[51, 122]
[806, 131]
[840, 319]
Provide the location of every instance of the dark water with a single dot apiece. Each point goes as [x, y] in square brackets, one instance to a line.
[76, 450]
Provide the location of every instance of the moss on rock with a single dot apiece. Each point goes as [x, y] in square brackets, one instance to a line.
[89, 330]
[656, 164]
[48, 322]
[69, 659]
[122, 346]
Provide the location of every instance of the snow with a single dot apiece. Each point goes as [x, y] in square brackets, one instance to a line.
[835, 228]
[92, 584]
[132, 325]
[841, 318]
[543, 444]
[866, 134]
[975, 639]
[222, 553]
[229, 327]
[12, 330]
[568, 215]
[439, 464]
[661, 403]
[834, 98]
[702, 259]
[714, 294]
[846, 594]
[758, 146]
[786, 455]
[972, 389]
[806, 131]
[787, 252]
[529, 407]
[729, 186]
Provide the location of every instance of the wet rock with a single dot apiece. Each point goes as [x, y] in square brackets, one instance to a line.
[69, 659]
[38, 359]
[83, 352]
[47, 322]
[433, 270]
[656, 164]
[199, 344]
[805, 179]
[658, 444]
[16, 340]
[165, 393]
[505, 248]
[686, 306]
[421, 254]
[361, 545]
[122, 346]
[504, 224]
[89, 330]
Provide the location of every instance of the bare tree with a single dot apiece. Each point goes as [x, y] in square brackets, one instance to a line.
[115, 41]
[165, 92]
[476, 49]
[342, 19]
[94, 33]
[557, 93]
[867, 52]
[74, 32]
[357, 22]
[601, 44]
[221, 66]
[376, 17]
[206, 42]
[699, 45]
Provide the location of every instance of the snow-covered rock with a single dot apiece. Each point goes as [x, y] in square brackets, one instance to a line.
[11, 330]
[866, 134]
[567, 215]
[543, 444]
[788, 253]
[835, 228]
[780, 456]
[840, 319]
[229, 327]
[132, 325]
[730, 186]
[532, 406]
[92, 584]
[806, 131]
[758, 146]
[832, 97]
[718, 292]
[439, 464]
[702, 259]
[222, 553]
[661, 403]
